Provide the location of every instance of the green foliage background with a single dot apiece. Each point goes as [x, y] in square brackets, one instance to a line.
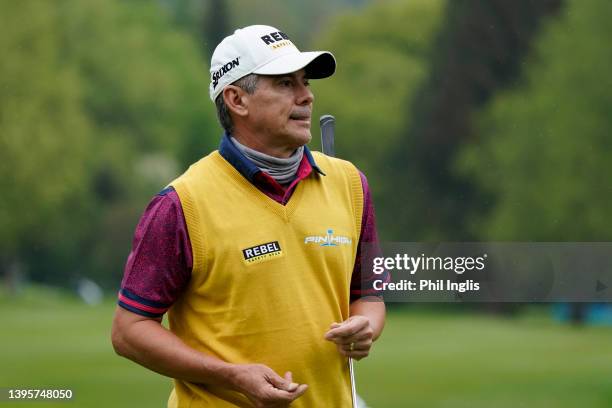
[474, 119]
[101, 103]
[543, 151]
[380, 68]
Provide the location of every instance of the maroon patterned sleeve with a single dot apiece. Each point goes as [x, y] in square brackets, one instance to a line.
[362, 281]
[159, 265]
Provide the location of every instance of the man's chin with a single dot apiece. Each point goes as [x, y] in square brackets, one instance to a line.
[306, 139]
[302, 138]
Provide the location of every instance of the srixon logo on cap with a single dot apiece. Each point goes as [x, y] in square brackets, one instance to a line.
[274, 37]
[224, 70]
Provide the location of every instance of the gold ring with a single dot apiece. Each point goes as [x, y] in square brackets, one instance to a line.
[352, 346]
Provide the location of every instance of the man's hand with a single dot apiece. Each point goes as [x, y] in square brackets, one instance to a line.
[264, 388]
[353, 337]
[147, 342]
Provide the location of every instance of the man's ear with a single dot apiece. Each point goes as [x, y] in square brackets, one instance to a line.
[236, 100]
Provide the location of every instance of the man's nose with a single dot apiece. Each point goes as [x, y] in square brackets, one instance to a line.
[305, 95]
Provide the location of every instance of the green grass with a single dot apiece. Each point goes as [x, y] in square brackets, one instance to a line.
[50, 341]
[459, 360]
[424, 359]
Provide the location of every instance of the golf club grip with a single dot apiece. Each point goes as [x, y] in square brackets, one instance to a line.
[327, 123]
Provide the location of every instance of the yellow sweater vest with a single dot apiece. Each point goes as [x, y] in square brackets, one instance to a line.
[268, 279]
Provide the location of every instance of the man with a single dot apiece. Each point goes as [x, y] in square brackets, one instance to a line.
[254, 251]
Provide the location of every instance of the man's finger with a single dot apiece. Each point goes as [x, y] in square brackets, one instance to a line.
[359, 345]
[301, 389]
[342, 331]
[346, 329]
[286, 396]
[281, 383]
[289, 377]
[363, 336]
[357, 353]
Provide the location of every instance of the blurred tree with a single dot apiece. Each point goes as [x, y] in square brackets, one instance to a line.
[381, 63]
[543, 152]
[301, 19]
[479, 52]
[215, 26]
[44, 135]
[96, 103]
[208, 21]
[185, 13]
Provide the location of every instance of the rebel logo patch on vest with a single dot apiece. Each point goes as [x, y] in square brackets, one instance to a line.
[262, 252]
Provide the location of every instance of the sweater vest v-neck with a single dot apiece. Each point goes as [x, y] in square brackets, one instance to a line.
[268, 279]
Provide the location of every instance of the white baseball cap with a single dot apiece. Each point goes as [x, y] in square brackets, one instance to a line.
[265, 50]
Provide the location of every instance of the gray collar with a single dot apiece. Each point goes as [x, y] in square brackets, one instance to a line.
[281, 170]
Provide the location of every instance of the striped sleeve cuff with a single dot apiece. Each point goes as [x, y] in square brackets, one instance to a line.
[141, 306]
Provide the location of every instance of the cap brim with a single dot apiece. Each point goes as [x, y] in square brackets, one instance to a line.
[318, 64]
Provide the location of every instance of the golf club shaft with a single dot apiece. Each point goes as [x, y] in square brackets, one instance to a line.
[327, 123]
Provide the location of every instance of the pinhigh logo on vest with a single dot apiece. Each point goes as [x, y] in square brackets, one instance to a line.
[328, 240]
[224, 70]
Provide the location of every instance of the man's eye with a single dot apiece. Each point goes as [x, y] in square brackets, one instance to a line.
[306, 82]
[285, 82]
